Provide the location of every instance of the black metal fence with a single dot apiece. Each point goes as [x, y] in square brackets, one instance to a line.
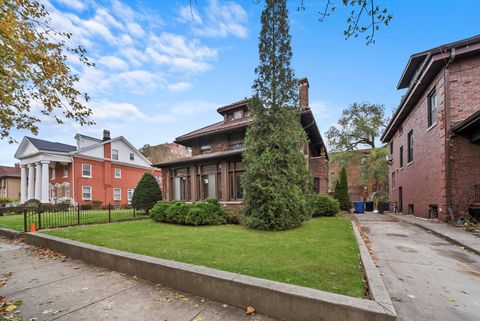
[63, 215]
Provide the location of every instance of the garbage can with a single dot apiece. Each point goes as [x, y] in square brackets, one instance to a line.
[359, 207]
[369, 206]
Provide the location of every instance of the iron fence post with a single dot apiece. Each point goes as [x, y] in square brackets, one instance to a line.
[78, 214]
[25, 219]
[109, 213]
[39, 217]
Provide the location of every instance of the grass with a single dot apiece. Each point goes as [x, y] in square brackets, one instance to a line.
[62, 219]
[322, 254]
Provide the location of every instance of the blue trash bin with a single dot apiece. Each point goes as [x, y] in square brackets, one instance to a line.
[359, 207]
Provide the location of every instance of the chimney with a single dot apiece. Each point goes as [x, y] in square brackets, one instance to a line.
[303, 93]
[106, 135]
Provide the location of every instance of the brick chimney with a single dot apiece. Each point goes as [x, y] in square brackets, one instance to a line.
[303, 93]
[106, 135]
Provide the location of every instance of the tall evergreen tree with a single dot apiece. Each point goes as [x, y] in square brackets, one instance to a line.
[276, 180]
[341, 191]
[147, 193]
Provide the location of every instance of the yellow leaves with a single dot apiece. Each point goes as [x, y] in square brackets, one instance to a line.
[250, 310]
[10, 308]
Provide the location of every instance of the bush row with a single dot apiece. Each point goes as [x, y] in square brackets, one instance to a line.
[320, 205]
[207, 212]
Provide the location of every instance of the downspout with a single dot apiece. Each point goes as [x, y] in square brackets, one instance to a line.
[72, 196]
[448, 161]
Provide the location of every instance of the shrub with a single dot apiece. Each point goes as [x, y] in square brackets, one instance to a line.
[32, 203]
[4, 200]
[233, 214]
[86, 207]
[323, 205]
[96, 204]
[198, 213]
[147, 193]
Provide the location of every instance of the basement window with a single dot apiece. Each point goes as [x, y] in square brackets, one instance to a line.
[410, 209]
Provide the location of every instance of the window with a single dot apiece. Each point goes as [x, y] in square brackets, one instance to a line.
[65, 171]
[393, 180]
[410, 146]
[52, 173]
[117, 194]
[237, 114]
[205, 146]
[235, 142]
[87, 193]
[132, 156]
[391, 147]
[118, 173]
[67, 191]
[410, 209]
[59, 191]
[401, 156]
[316, 185]
[86, 170]
[130, 194]
[115, 154]
[432, 108]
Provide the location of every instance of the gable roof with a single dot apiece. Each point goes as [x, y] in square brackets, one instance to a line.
[215, 128]
[7, 171]
[46, 145]
[236, 104]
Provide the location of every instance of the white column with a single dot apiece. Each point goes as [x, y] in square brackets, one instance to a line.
[31, 181]
[23, 183]
[38, 181]
[45, 191]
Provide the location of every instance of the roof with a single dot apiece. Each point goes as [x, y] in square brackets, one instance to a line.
[7, 171]
[200, 157]
[215, 128]
[469, 127]
[51, 146]
[236, 104]
[425, 71]
[88, 137]
[415, 60]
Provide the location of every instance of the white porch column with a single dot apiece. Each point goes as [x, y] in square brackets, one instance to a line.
[31, 182]
[38, 181]
[45, 192]
[23, 183]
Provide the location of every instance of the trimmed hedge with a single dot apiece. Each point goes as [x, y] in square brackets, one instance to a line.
[233, 214]
[323, 205]
[206, 212]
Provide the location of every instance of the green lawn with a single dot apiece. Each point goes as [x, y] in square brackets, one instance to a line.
[62, 219]
[322, 254]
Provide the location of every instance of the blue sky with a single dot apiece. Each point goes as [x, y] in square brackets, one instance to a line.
[161, 73]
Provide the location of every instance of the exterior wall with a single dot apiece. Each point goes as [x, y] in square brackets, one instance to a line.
[60, 179]
[10, 187]
[423, 180]
[465, 100]
[220, 143]
[319, 169]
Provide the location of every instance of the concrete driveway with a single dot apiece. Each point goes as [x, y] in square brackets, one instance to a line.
[53, 287]
[427, 277]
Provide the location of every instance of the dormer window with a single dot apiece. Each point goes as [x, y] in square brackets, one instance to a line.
[206, 146]
[234, 115]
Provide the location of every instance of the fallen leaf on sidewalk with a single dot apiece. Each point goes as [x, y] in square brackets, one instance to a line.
[250, 310]
[10, 308]
[451, 299]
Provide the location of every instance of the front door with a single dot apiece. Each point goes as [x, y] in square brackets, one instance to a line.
[400, 199]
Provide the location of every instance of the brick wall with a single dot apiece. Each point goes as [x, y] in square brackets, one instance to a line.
[319, 169]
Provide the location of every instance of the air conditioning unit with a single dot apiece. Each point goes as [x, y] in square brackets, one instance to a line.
[389, 159]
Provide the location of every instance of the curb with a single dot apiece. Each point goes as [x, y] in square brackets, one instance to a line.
[9, 233]
[276, 299]
[444, 236]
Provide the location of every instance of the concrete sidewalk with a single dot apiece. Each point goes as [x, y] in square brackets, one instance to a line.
[53, 287]
[447, 231]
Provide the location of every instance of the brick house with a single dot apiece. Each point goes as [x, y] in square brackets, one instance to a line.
[105, 170]
[10, 182]
[216, 165]
[359, 186]
[434, 135]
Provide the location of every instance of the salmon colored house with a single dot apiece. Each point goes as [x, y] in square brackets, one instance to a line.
[105, 170]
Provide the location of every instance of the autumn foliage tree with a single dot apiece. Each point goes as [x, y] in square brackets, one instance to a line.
[34, 70]
[276, 180]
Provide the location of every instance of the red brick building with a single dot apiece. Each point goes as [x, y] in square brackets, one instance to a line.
[105, 170]
[215, 167]
[434, 135]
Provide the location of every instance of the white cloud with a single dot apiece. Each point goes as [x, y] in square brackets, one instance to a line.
[112, 62]
[135, 29]
[73, 4]
[221, 20]
[179, 86]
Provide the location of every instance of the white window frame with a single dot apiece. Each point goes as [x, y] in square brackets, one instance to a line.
[67, 191]
[52, 173]
[65, 171]
[119, 194]
[118, 171]
[83, 193]
[89, 169]
[115, 154]
[130, 192]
